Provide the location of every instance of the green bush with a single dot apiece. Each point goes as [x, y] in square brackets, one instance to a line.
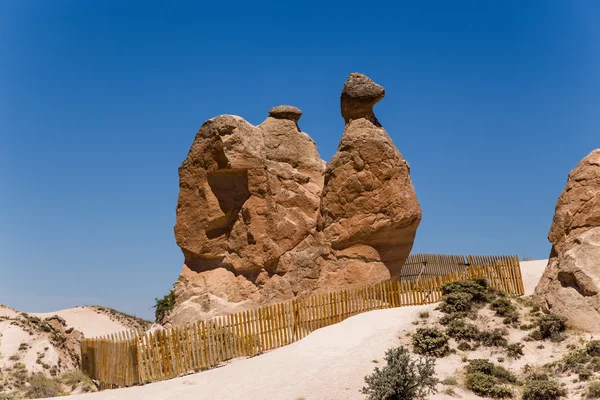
[401, 378]
[493, 338]
[489, 368]
[456, 302]
[572, 361]
[164, 306]
[430, 342]
[593, 390]
[487, 386]
[584, 373]
[477, 288]
[550, 326]
[514, 350]
[535, 335]
[527, 327]
[460, 330]
[505, 308]
[464, 346]
[542, 390]
[595, 364]
[535, 372]
[489, 380]
[448, 318]
[512, 319]
[593, 348]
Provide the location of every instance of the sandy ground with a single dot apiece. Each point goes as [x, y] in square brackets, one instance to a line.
[330, 363]
[532, 272]
[86, 320]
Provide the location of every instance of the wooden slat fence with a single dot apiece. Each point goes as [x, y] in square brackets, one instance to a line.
[418, 265]
[131, 358]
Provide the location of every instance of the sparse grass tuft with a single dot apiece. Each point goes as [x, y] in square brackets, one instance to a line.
[593, 390]
[450, 381]
[78, 378]
[542, 390]
[42, 387]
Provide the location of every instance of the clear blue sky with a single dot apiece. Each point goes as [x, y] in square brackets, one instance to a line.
[491, 102]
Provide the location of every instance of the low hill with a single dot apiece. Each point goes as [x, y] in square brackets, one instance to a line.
[40, 352]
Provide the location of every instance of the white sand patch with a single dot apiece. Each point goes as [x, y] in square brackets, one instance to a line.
[86, 320]
[330, 363]
[532, 272]
[12, 337]
[40, 346]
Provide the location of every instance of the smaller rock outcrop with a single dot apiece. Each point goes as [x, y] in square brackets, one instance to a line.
[57, 322]
[570, 285]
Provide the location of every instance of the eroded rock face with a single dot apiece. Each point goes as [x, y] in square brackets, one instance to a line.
[261, 218]
[570, 284]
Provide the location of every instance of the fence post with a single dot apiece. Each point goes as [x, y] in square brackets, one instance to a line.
[296, 319]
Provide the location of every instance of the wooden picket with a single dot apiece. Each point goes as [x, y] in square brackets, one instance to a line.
[132, 357]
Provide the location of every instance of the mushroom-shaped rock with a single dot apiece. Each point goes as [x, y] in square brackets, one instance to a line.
[368, 196]
[359, 95]
[286, 112]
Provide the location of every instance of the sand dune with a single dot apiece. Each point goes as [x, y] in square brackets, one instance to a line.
[86, 320]
[330, 363]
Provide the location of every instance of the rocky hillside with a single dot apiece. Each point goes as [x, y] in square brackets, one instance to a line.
[487, 345]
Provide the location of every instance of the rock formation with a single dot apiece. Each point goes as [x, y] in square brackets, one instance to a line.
[570, 285]
[261, 218]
